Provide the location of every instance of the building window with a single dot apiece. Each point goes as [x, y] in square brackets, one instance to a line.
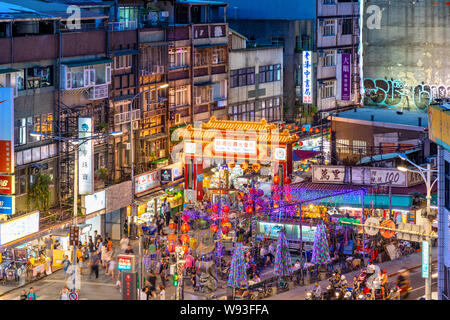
[347, 26]
[330, 58]
[36, 77]
[328, 89]
[178, 57]
[329, 1]
[42, 123]
[21, 181]
[343, 146]
[329, 27]
[270, 73]
[178, 96]
[242, 77]
[218, 56]
[359, 147]
[201, 58]
[122, 62]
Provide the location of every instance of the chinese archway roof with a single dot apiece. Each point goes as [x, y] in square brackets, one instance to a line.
[263, 131]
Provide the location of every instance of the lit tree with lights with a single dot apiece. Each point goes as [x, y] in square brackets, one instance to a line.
[282, 257]
[238, 275]
[321, 252]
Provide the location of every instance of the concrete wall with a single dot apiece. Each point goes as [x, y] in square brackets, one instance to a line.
[408, 51]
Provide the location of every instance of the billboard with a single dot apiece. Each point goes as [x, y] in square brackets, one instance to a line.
[95, 202]
[6, 130]
[146, 181]
[19, 227]
[344, 76]
[404, 53]
[85, 156]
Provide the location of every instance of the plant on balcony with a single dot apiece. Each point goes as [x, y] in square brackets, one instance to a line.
[103, 127]
[102, 174]
[39, 193]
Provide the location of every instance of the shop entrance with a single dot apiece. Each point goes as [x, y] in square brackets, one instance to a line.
[113, 225]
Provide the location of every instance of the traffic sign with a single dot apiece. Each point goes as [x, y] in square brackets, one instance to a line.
[425, 259]
[74, 236]
[73, 296]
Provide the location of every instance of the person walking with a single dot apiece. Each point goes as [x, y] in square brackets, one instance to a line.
[95, 261]
[91, 245]
[23, 295]
[129, 250]
[65, 294]
[31, 294]
[162, 292]
[66, 264]
[109, 243]
[124, 243]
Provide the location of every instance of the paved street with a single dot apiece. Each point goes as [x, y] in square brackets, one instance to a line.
[392, 267]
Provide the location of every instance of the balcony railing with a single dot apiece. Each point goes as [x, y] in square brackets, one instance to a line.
[122, 25]
[125, 116]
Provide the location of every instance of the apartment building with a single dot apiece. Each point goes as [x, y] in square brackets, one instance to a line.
[256, 81]
[338, 79]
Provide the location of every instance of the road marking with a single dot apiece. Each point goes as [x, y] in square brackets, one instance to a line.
[421, 287]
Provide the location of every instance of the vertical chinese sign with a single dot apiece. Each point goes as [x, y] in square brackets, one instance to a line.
[307, 77]
[85, 156]
[7, 202]
[346, 60]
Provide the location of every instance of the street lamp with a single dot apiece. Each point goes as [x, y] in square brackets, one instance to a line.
[429, 185]
[76, 142]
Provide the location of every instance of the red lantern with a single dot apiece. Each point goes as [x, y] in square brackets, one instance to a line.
[250, 201]
[317, 130]
[287, 181]
[300, 143]
[185, 248]
[214, 217]
[310, 129]
[225, 219]
[324, 130]
[225, 230]
[225, 209]
[185, 227]
[282, 125]
[276, 179]
[172, 225]
[296, 128]
[171, 248]
[288, 197]
[276, 197]
[289, 127]
[184, 238]
[214, 228]
[249, 209]
[215, 208]
[172, 237]
[303, 129]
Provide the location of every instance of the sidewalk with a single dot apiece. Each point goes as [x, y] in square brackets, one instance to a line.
[392, 267]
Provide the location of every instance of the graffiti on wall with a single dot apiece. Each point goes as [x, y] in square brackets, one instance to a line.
[395, 93]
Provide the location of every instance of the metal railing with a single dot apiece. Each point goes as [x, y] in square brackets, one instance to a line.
[122, 25]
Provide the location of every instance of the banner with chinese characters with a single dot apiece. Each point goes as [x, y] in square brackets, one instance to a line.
[333, 174]
[343, 75]
[307, 77]
[85, 156]
[6, 130]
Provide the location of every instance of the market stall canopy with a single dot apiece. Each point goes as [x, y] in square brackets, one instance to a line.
[299, 155]
[383, 157]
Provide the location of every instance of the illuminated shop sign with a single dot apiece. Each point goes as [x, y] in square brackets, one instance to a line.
[95, 202]
[85, 157]
[307, 77]
[235, 146]
[19, 228]
[6, 130]
[147, 181]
